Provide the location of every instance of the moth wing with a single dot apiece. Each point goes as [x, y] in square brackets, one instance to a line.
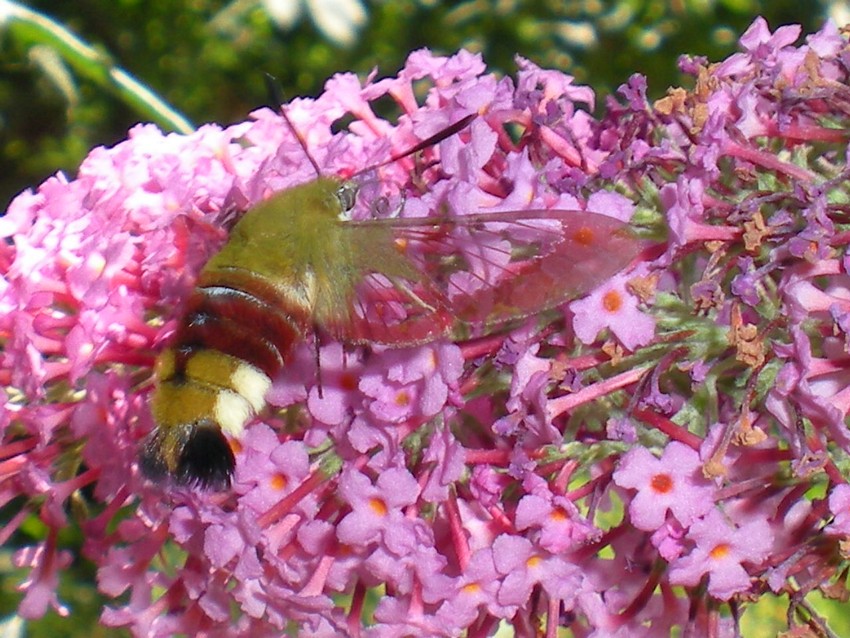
[420, 278]
[494, 267]
[391, 301]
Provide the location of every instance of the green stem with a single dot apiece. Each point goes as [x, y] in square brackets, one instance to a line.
[34, 29]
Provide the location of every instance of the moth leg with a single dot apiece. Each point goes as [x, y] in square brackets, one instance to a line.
[408, 292]
[318, 357]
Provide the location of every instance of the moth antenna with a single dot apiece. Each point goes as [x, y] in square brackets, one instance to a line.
[437, 137]
[301, 142]
[276, 96]
[273, 90]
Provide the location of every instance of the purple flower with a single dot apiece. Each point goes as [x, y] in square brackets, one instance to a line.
[40, 588]
[522, 567]
[377, 514]
[671, 483]
[478, 588]
[405, 387]
[612, 306]
[720, 549]
[560, 524]
[268, 469]
[402, 616]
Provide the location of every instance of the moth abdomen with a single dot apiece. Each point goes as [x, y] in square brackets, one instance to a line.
[229, 345]
[239, 324]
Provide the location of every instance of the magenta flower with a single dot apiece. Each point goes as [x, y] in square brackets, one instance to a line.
[611, 306]
[560, 524]
[40, 587]
[377, 515]
[541, 474]
[720, 550]
[402, 387]
[477, 590]
[269, 469]
[522, 567]
[672, 483]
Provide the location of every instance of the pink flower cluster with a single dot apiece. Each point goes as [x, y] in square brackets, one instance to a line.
[665, 445]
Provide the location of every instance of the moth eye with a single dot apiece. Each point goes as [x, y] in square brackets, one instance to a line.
[347, 195]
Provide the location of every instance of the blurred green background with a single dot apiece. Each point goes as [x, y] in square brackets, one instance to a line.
[206, 57]
[59, 97]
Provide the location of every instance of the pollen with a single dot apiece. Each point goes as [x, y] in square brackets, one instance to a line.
[533, 561]
[278, 481]
[612, 301]
[378, 506]
[235, 445]
[661, 483]
[402, 399]
[720, 551]
[401, 245]
[471, 588]
[584, 236]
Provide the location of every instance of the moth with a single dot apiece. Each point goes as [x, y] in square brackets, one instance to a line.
[293, 264]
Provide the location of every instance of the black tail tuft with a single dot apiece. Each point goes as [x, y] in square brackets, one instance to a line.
[205, 458]
[194, 454]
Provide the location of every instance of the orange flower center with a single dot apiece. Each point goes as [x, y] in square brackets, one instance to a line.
[378, 506]
[278, 482]
[720, 551]
[661, 483]
[612, 301]
[558, 515]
